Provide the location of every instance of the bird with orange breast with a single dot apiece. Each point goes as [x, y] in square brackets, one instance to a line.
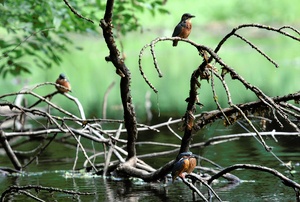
[184, 27]
[186, 162]
[63, 81]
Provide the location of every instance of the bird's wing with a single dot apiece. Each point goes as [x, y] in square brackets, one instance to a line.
[177, 30]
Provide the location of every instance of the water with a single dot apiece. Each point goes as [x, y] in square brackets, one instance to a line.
[53, 170]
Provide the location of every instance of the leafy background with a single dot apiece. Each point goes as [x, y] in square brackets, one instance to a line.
[41, 39]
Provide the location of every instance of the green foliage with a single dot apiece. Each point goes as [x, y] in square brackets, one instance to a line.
[37, 31]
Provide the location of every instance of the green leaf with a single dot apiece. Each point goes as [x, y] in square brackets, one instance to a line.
[163, 11]
[48, 24]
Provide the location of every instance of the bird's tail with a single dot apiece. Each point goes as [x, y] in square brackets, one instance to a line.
[175, 43]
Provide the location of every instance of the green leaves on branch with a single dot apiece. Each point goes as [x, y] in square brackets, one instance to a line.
[35, 33]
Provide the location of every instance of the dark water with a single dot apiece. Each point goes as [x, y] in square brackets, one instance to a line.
[53, 169]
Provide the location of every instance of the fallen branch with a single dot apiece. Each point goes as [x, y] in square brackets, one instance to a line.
[285, 180]
[15, 189]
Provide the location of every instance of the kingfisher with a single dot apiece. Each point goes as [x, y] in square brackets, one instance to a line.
[184, 27]
[63, 81]
[186, 162]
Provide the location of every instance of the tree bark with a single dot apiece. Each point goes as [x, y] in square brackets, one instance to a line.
[123, 71]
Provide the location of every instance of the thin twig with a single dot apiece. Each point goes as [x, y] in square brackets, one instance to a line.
[204, 183]
[105, 97]
[31, 195]
[257, 49]
[111, 149]
[40, 152]
[194, 189]
[5, 54]
[215, 97]
[76, 13]
[81, 147]
[13, 189]
[172, 131]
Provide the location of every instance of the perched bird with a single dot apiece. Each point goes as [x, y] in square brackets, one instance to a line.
[186, 162]
[63, 81]
[192, 164]
[184, 27]
[179, 156]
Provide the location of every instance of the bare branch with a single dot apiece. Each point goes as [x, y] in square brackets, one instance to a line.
[194, 189]
[76, 13]
[279, 30]
[257, 49]
[209, 117]
[14, 189]
[11, 155]
[123, 71]
[111, 149]
[286, 181]
[105, 97]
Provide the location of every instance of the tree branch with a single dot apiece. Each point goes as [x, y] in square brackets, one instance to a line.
[76, 13]
[285, 180]
[123, 71]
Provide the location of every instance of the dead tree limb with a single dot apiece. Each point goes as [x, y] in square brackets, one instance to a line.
[250, 108]
[11, 155]
[285, 180]
[76, 12]
[123, 71]
[157, 175]
[203, 72]
[15, 189]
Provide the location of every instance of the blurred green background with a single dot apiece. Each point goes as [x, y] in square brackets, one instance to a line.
[90, 75]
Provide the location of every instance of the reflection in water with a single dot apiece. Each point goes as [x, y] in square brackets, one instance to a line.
[108, 189]
[254, 186]
[127, 190]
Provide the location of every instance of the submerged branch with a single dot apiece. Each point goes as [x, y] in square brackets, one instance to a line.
[14, 189]
[285, 180]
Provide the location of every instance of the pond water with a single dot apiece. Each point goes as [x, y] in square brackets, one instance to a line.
[53, 169]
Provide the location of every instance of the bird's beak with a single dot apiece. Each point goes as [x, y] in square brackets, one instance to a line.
[192, 16]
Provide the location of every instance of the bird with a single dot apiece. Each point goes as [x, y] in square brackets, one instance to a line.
[63, 81]
[186, 162]
[184, 27]
[179, 156]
